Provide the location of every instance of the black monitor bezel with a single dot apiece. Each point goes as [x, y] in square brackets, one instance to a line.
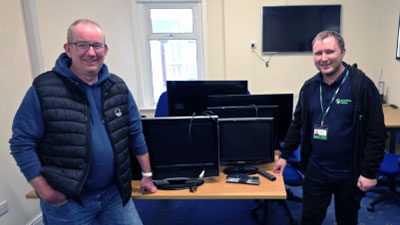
[188, 97]
[285, 21]
[246, 157]
[193, 171]
[283, 100]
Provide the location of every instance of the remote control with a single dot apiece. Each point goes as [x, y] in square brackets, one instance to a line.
[266, 175]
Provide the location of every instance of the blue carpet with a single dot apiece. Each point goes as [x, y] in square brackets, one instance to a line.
[227, 212]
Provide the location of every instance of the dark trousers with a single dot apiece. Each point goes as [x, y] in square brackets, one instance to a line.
[318, 189]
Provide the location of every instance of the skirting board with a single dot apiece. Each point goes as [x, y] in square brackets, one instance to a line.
[38, 220]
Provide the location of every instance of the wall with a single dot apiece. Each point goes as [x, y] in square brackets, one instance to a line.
[240, 24]
[369, 28]
[389, 25]
[231, 26]
[15, 79]
[55, 16]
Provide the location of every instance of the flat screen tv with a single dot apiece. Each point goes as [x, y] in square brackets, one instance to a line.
[188, 97]
[290, 29]
[181, 149]
[284, 101]
[246, 141]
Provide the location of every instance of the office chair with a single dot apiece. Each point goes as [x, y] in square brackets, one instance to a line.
[292, 177]
[162, 105]
[389, 167]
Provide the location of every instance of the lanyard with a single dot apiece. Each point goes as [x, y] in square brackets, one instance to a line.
[325, 113]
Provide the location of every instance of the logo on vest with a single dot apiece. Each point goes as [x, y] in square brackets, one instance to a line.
[343, 101]
[118, 112]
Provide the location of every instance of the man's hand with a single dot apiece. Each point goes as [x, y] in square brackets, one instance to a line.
[147, 185]
[365, 183]
[280, 166]
[47, 193]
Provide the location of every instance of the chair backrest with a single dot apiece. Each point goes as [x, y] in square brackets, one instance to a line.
[291, 175]
[390, 164]
[295, 157]
[162, 105]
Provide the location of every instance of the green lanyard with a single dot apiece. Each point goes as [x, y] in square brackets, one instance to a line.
[325, 113]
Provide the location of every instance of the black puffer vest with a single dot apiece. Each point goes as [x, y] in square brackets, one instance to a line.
[65, 148]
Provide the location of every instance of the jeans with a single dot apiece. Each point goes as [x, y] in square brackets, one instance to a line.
[103, 208]
[318, 189]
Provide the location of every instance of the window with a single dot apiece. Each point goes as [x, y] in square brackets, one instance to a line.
[172, 44]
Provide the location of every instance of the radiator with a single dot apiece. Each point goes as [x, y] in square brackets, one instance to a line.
[38, 220]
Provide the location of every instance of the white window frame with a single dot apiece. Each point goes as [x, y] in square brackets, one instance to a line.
[143, 22]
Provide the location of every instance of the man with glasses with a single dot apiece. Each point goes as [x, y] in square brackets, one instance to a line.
[73, 133]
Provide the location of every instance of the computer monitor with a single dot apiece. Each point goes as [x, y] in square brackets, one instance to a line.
[246, 141]
[244, 111]
[284, 101]
[181, 149]
[188, 97]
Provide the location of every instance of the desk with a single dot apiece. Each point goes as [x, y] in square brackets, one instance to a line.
[217, 188]
[392, 123]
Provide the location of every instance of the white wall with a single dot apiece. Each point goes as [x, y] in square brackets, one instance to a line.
[14, 81]
[231, 33]
[55, 16]
[369, 28]
[389, 24]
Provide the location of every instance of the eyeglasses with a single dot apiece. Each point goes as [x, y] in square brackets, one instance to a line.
[84, 46]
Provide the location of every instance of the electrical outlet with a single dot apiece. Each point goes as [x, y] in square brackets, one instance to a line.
[253, 45]
[3, 207]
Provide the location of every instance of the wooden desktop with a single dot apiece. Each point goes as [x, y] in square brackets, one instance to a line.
[217, 188]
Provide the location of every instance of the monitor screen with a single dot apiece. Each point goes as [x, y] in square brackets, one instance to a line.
[292, 28]
[284, 101]
[182, 146]
[246, 141]
[188, 97]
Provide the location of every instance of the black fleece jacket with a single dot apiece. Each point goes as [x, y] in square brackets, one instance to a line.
[368, 126]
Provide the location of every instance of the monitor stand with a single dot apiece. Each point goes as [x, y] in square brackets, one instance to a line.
[241, 170]
[177, 183]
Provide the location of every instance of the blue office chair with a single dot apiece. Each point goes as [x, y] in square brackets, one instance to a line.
[162, 105]
[389, 167]
[398, 138]
[292, 177]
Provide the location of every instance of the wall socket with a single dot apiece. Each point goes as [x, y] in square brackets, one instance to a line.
[3, 207]
[253, 45]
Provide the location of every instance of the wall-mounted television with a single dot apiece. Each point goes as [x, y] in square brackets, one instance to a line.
[181, 149]
[188, 97]
[291, 29]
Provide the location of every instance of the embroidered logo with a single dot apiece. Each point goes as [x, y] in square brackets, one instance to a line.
[343, 101]
[118, 112]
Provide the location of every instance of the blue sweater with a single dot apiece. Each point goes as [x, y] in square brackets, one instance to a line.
[29, 127]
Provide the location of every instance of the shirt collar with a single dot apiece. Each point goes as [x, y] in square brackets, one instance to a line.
[338, 80]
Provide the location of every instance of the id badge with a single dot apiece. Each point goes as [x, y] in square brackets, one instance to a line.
[320, 132]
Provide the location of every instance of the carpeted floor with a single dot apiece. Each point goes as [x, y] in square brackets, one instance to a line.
[227, 212]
